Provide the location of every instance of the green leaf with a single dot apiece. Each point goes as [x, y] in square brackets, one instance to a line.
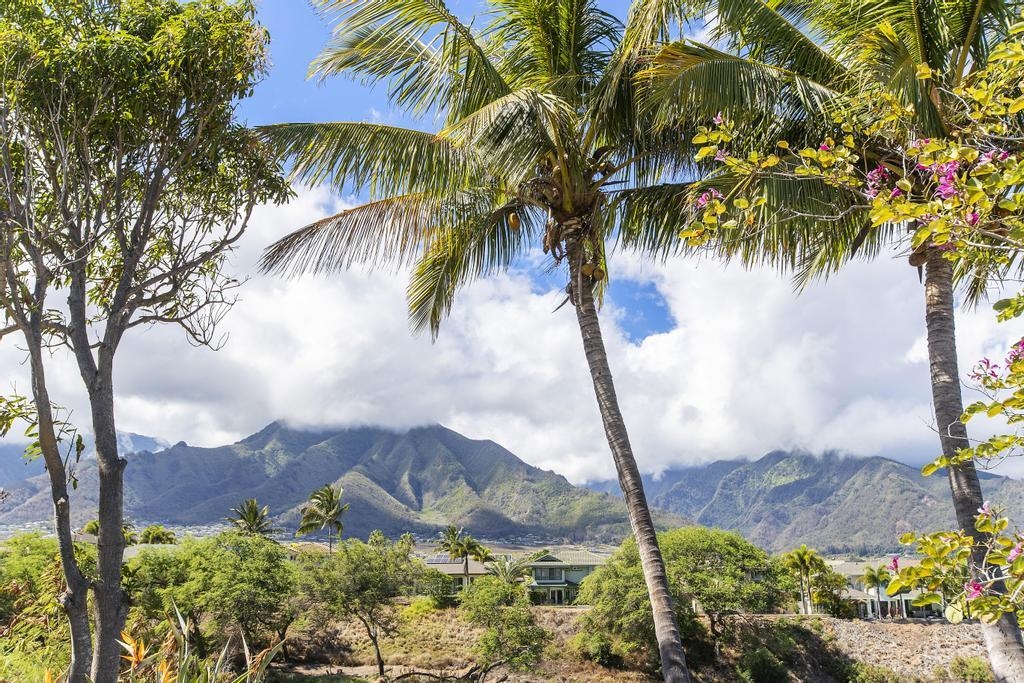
[954, 614]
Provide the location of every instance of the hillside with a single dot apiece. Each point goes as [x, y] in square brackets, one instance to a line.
[834, 503]
[415, 481]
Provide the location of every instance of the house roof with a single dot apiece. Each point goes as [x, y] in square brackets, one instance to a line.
[445, 565]
[570, 557]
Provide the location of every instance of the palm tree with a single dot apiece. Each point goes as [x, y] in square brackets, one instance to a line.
[782, 72]
[251, 518]
[157, 534]
[92, 527]
[539, 135]
[461, 546]
[513, 571]
[805, 562]
[877, 578]
[322, 511]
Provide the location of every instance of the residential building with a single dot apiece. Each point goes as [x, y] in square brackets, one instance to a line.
[557, 574]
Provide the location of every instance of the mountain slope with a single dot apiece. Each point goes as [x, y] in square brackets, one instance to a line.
[415, 481]
[831, 502]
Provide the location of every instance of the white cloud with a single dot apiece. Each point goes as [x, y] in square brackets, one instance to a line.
[747, 366]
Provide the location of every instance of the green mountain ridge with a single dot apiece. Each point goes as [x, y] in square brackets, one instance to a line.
[418, 481]
[835, 503]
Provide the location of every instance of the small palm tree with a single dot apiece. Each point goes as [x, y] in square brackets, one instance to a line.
[510, 570]
[877, 578]
[323, 511]
[251, 518]
[157, 534]
[92, 527]
[805, 562]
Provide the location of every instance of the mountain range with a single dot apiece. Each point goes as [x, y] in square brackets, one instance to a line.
[425, 478]
[835, 503]
[417, 481]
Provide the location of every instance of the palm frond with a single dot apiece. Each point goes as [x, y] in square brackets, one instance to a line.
[384, 160]
[388, 231]
[430, 59]
[692, 82]
[487, 240]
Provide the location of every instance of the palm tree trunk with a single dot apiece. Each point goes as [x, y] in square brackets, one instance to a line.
[670, 646]
[1003, 638]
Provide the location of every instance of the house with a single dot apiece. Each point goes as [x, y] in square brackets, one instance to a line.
[868, 600]
[456, 569]
[556, 574]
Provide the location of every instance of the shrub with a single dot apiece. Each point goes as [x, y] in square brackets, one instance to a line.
[971, 670]
[761, 666]
[859, 672]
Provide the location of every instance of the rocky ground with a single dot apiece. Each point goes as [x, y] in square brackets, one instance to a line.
[819, 650]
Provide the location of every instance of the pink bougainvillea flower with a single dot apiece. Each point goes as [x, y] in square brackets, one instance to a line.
[824, 147]
[1015, 552]
[985, 508]
[973, 589]
[721, 155]
[973, 217]
[719, 119]
[894, 565]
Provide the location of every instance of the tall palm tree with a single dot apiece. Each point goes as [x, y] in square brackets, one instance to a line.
[251, 518]
[537, 139]
[805, 562]
[462, 546]
[323, 511]
[783, 70]
[877, 578]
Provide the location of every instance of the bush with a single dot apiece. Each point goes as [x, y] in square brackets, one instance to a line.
[597, 647]
[971, 670]
[860, 672]
[761, 666]
[420, 607]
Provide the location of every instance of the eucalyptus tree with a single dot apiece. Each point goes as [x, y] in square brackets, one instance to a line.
[250, 518]
[789, 72]
[534, 141]
[323, 511]
[124, 179]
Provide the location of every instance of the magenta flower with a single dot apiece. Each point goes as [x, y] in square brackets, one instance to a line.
[824, 147]
[894, 566]
[896, 192]
[985, 508]
[703, 200]
[721, 155]
[1015, 552]
[973, 590]
[1016, 352]
[973, 217]
[719, 119]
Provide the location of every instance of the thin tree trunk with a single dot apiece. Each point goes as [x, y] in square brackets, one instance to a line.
[1003, 638]
[74, 599]
[111, 602]
[670, 646]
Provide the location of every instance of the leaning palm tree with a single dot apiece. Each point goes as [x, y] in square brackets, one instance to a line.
[251, 518]
[784, 71]
[323, 511]
[537, 138]
[877, 578]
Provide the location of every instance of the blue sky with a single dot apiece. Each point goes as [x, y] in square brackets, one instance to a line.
[297, 34]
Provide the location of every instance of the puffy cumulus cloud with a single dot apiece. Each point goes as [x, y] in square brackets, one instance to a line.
[744, 367]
